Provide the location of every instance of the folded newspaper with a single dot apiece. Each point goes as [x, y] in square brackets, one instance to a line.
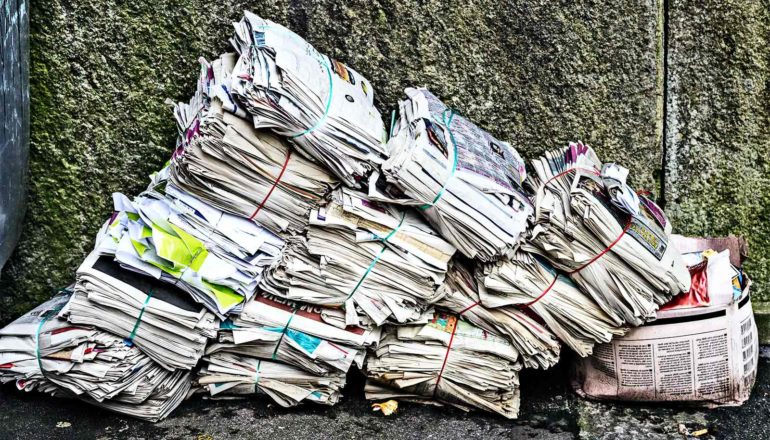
[445, 361]
[528, 282]
[156, 317]
[313, 338]
[223, 160]
[169, 235]
[42, 351]
[461, 294]
[374, 259]
[611, 241]
[320, 105]
[227, 374]
[465, 182]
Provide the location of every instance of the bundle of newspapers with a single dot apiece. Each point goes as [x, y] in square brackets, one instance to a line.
[465, 182]
[462, 294]
[528, 282]
[379, 261]
[612, 242]
[44, 351]
[323, 107]
[290, 351]
[446, 360]
[224, 160]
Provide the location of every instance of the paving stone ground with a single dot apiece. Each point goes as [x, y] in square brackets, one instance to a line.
[550, 411]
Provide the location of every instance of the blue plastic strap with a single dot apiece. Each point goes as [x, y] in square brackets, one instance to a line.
[377, 258]
[447, 121]
[129, 341]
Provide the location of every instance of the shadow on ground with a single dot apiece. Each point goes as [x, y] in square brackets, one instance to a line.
[549, 411]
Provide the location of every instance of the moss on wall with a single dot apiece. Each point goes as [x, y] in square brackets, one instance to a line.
[718, 142]
[536, 73]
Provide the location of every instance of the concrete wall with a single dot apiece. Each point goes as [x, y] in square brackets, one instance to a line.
[536, 73]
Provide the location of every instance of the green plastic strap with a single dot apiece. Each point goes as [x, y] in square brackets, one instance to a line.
[256, 381]
[377, 258]
[129, 341]
[326, 65]
[392, 123]
[447, 121]
[46, 316]
[37, 343]
[283, 332]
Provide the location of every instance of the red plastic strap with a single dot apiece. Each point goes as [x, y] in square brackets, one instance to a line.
[449, 346]
[628, 225]
[544, 292]
[272, 188]
[446, 357]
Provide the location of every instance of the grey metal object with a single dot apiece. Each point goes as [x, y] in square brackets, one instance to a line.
[14, 120]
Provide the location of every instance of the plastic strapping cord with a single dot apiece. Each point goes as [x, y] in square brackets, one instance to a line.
[326, 65]
[449, 346]
[550, 286]
[257, 375]
[447, 121]
[283, 332]
[129, 341]
[625, 229]
[272, 188]
[377, 258]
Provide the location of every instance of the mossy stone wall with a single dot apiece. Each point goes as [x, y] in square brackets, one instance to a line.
[537, 73]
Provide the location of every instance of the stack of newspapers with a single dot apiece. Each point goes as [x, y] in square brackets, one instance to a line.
[288, 241]
[612, 242]
[43, 351]
[446, 360]
[374, 259]
[323, 107]
[463, 180]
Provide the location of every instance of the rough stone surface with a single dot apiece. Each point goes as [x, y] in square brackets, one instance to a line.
[717, 173]
[536, 73]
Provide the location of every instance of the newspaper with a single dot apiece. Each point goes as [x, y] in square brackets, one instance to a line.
[169, 235]
[445, 361]
[613, 243]
[466, 182]
[224, 161]
[374, 259]
[227, 374]
[528, 282]
[313, 338]
[537, 346]
[40, 351]
[323, 107]
[158, 318]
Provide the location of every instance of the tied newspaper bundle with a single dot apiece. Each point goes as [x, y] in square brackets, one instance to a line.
[465, 182]
[612, 242]
[462, 294]
[43, 351]
[378, 261]
[165, 233]
[322, 106]
[159, 318]
[289, 351]
[223, 160]
[445, 361]
[527, 281]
